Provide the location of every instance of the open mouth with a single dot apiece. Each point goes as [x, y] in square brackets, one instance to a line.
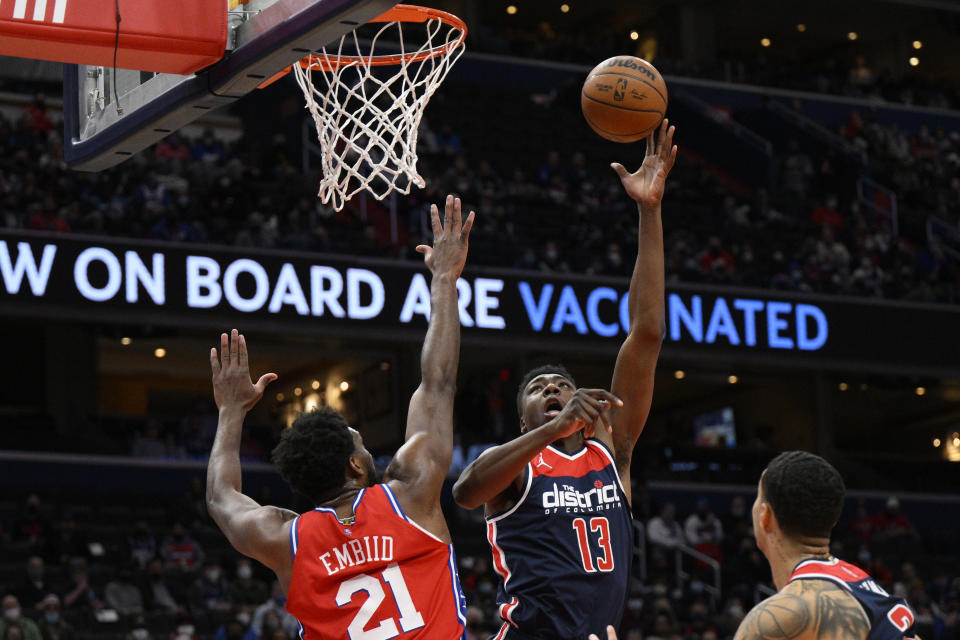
[552, 409]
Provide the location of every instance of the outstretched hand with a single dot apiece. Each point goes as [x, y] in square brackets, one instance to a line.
[450, 239]
[611, 634]
[232, 386]
[647, 184]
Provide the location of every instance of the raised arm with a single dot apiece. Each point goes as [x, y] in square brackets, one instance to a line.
[637, 360]
[255, 531]
[421, 464]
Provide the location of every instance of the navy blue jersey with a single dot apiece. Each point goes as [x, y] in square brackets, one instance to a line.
[564, 550]
[889, 616]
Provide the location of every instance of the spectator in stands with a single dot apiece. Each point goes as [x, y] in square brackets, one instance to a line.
[52, 625]
[861, 76]
[123, 595]
[862, 525]
[142, 545]
[891, 527]
[13, 615]
[207, 149]
[245, 589]
[797, 171]
[271, 615]
[35, 584]
[191, 507]
[716, 260]
[236, 629]
[209, 593]
[13, 632]
[664, 530]
[79, 594]
[38, 121]
[703, 530]
[31, 528]
[172, 148]
[160, 594]
[826, 214]
[181, 551]
[150, 443]
[68, 542]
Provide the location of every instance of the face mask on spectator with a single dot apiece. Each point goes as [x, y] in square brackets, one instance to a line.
[244, 572]
[736, 611]
[213, 574]
[52, 617]
[243, 618]
[12, 614]
[35, 573]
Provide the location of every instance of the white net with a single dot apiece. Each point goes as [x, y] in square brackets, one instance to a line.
[368, 107]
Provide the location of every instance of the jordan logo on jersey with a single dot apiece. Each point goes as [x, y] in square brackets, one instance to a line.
[568, 499]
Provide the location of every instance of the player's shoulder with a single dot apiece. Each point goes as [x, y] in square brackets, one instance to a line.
[806, 610]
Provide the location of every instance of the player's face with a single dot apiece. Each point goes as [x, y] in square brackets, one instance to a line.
[365, 458]
[544, 398]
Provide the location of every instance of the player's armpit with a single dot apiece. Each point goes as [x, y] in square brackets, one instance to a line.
[257, 532]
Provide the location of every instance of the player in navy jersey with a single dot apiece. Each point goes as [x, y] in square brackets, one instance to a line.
[799, 499]
[557, 498]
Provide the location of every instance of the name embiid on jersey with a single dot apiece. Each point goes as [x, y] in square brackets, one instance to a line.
[381, 576]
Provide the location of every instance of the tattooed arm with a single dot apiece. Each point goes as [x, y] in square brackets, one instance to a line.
[806, 610]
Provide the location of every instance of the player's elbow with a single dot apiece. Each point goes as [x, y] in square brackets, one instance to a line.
[649, 329]
[464, 495]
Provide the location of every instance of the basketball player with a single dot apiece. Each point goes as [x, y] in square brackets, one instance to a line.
[371, 560]
[799, 499]
[557, 497]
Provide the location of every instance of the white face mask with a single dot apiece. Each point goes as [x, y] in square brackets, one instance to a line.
[12, 614]
[244, 572]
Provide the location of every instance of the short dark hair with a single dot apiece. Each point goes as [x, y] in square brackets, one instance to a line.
[805, 492]
[547, 369]
[312, 454]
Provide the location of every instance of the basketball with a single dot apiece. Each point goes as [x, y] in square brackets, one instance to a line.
[624, 98]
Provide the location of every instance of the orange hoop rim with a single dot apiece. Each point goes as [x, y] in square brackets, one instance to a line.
[399, 13]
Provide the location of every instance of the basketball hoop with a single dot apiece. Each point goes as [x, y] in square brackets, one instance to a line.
[367, 120]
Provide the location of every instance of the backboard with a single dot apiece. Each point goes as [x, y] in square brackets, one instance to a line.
[109, 114]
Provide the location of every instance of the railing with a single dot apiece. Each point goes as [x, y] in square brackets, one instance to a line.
[762, 592]
[749, 136]
[816, 129]
[682, 576]
[640, 550]
[866, 189]
[946, 235]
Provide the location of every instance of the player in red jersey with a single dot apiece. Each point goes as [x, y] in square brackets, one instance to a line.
[371, 561]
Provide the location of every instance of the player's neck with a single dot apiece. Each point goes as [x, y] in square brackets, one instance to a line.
[342, 501]
[572, 443]
[787, 554]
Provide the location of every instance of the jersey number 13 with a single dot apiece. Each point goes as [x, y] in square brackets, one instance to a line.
[585, 531]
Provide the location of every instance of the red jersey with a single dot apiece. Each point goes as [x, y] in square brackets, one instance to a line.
[379, 578]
